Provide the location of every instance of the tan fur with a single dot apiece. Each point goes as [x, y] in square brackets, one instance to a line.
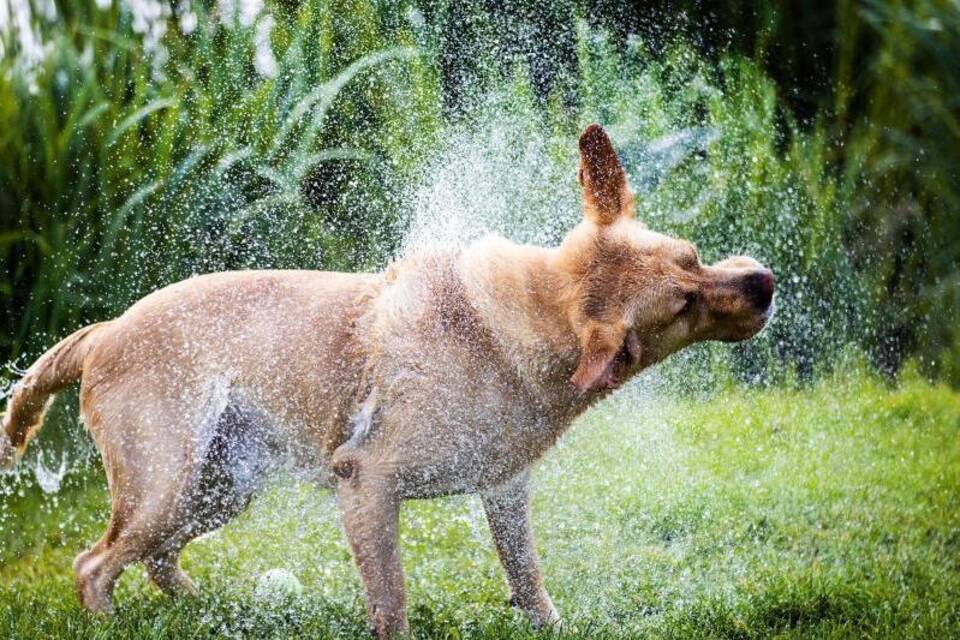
[452, 372]
[56, 369]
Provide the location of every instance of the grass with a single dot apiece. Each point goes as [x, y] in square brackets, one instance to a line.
[826, 511]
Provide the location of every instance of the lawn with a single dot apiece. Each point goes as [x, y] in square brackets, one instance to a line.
[826, 511]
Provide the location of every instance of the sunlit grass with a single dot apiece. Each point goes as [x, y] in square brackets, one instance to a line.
[831, 511]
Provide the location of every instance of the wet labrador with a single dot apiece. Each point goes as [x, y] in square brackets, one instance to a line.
[451, 372]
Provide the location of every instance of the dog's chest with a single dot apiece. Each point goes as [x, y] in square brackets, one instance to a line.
[452, 424]
[443, 403]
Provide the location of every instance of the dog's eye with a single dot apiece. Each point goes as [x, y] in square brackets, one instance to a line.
[690, 299]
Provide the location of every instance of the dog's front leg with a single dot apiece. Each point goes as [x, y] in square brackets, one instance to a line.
[369, 511]
[508, 513]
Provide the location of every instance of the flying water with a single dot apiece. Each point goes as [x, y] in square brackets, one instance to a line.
[495, 176]
[49, 479]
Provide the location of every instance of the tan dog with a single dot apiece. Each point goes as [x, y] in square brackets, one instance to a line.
[452, 372]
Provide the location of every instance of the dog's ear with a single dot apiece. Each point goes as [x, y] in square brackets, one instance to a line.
[599, 344]
[606, 194]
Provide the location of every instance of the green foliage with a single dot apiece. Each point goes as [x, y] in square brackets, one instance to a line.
[122, 170]
[904, 159]
[828, 511]
[119, 174]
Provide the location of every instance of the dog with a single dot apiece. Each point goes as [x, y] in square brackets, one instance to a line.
[451, 372]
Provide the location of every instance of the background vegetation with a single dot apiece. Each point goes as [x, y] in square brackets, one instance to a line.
[143, 142]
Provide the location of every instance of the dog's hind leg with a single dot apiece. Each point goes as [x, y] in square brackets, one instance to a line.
[137, 527]
[234, 461]
[150, 461]
[176, 470]
[165, 572]
[146, 513]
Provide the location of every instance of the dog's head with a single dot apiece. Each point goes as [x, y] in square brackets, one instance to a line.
[638, 295]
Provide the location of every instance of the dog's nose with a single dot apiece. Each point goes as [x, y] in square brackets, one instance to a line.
[758, 286]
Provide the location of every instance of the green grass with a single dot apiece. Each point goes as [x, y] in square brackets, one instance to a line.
[830, 511]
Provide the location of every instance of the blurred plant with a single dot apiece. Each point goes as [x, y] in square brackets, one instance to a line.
[903, 160]
[118, 175]
[144, 142]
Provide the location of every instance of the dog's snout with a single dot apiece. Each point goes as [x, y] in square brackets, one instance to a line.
[758, 286]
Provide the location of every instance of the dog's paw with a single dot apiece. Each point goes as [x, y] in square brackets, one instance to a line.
[543, 616]
[547, 621]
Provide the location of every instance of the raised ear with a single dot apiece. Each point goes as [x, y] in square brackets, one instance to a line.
[599, 345]
[606, 195]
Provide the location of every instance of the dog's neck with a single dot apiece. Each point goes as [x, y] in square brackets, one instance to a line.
[521, 293]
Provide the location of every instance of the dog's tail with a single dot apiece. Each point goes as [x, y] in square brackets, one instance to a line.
[29, 398]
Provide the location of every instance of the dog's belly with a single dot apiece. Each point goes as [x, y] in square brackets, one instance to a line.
[435, 449]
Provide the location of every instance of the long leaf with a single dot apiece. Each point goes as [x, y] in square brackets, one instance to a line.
[263, 205]
[322, 97]
[138, 115]
[118, 220]
[297, 169]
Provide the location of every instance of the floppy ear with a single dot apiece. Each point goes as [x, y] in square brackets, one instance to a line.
[606, 195]
[599, 344]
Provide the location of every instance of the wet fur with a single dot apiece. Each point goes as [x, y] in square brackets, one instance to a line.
[451, 372]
